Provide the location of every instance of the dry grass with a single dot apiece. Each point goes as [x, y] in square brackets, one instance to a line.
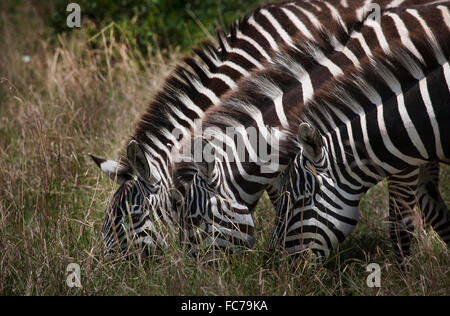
[71, 99]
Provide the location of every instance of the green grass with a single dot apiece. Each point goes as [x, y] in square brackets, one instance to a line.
[67, 102]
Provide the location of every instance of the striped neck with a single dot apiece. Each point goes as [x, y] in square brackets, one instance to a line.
[383, 119]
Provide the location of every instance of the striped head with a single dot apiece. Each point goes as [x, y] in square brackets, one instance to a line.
[138, 213]
[307, 209]
[210, 212]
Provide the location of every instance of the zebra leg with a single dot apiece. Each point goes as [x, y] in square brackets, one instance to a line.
[416, 186]
[434, 210]
[402, 200]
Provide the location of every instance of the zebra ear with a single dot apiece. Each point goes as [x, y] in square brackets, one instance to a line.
[204, 153]
[116, 171]
[136, 157]
[311, 141]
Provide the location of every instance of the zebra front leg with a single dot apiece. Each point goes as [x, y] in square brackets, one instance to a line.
[402, 200]
[434, 210]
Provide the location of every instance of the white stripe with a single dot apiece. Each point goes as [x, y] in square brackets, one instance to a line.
[315, 223]
[304, 235]
[228, 63]
[362, 12]
[169, 135]
[361, 164]
[230, 217]
[446, 67]
[182, 116]
[298, 24]
[297, 71]
[156, 142]
[336, 16]
[348, 167]
[432, 39]
[278, 101]
[230, 232]
[396, 87]
[189, 104]
[223, 77]
[395, 3]
[347, 212]
[330, 147]
[363, 43]
[264, 33]
[316, 6]
[205, 91]
[230, 144]
[445, 15]
[247, 56]
[428, 104]
[358, 109]
[345, 50]
[379, 34]
[404, 36]
[329, 182]
[211, 57]
[323, 60]
[258, 47]
[227, 80]
[314, 20]
[236, 67]
[278, 28]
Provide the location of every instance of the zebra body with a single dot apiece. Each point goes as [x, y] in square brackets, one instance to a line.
[256, 104]
[391, 114]
[145, 173]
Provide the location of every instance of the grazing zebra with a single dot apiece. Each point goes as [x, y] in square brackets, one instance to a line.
[390, 114]
[222, 193]
[142, 211]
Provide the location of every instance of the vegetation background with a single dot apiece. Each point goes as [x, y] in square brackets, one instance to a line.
[66, 92]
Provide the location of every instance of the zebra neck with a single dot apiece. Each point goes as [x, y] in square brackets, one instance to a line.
[244, 181]
[393, 129]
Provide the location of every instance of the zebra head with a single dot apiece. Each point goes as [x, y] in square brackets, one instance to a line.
[210, 209]
[300, 212]
[138, 208]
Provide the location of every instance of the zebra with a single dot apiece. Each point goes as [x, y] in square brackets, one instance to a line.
[143, 209]
[221, 194]
[390, 114]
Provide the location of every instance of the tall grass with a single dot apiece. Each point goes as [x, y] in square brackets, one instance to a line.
[71, 99]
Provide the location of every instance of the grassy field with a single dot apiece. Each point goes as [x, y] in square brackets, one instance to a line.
[69, 99]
